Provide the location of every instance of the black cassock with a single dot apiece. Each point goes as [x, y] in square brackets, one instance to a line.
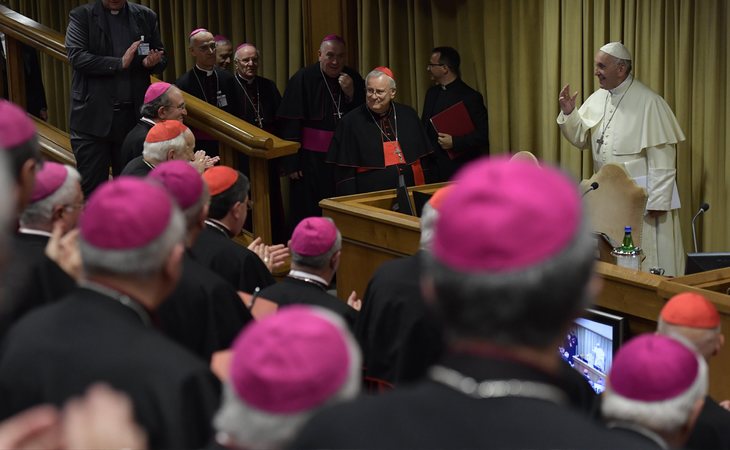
[308, 114]
[134, 142]
[292, 291]
[204, 313]
[467, 147]
[236, 264]
[357, 150]
[217, 89]
[31, 279]
[58, 351]
[137, 167]
[398, 335]
[261, 100]
[431, 414]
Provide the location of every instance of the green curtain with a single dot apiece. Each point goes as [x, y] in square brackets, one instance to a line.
[519, 53]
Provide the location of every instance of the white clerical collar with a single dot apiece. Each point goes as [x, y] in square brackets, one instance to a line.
[623, 87]
[302, 275]
[249, 82]
[207, 72]
[148, 121]
[23, 230]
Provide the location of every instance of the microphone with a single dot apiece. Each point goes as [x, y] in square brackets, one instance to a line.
[593, 187]
[705, 206]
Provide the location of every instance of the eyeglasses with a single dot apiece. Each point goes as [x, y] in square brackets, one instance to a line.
[377, 92]
[430, 65]
[181, 106]
[207, 47]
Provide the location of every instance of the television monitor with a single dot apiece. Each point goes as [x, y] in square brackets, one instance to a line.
[702, 262]
[592, 342]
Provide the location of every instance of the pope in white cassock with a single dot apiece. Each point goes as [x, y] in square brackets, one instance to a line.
[633, 126]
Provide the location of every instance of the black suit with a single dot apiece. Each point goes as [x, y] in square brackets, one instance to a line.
[134, 142]
[99, 118]
[467, 147]
[57, 351]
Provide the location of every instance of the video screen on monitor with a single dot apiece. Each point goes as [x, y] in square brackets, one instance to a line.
[591, 343]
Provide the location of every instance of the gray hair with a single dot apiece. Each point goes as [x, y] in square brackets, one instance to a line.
[41, 212]
[192, 213]
[157, 151]
[665, 416]
[319, 261]
[142, 262]
[702, 339]
[255, 429]
[428, 225]
[151, 110]
[527, 306]
[624, 62]
[377, 73]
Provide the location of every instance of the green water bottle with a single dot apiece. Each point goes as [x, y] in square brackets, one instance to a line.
[628, 244]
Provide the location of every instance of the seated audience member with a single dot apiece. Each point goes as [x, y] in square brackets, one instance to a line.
[223, 52]
[209, 83]
[655, 391]
[162, 101]
[284, 369]
[215, 248]
[167, 141]
[506, 290]
[315, 248]
[696, 319]
[398, 335]
[204, 313]
[33, 279]
[379, 141]
[131, 243]
[19, 140]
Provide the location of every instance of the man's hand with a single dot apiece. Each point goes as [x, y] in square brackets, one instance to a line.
[354, 302]
[103, 418]
[567, 103]
[152, 59]
[446, 141]
[346, 84]
[273, 256]
[130, 53]
[38, 427]
[63, 249]
[296, 175]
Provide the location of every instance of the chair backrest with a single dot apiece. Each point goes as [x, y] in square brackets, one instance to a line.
[617, 202]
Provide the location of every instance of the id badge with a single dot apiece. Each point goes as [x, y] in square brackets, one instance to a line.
[222, 102]
[144, 48]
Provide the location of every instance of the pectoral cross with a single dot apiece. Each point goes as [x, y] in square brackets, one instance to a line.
[338, 114]
[260, 121]
[399, 154]
[599, 141]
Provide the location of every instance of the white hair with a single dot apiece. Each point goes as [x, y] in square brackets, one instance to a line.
[665, 416]
[377, 73]
[40, 213]
[157, 151]
[254, 429]
[428, 225]
[144, 261]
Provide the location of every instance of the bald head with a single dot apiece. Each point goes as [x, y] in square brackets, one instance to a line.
[247, 61]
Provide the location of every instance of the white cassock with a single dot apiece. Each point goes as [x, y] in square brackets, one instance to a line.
[633, 126]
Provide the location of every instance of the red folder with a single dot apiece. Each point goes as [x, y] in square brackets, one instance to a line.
[455, 121]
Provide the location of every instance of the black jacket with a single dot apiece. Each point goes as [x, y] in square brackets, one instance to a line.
[89, 48]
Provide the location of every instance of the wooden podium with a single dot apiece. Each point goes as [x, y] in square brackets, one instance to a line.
[372, 233]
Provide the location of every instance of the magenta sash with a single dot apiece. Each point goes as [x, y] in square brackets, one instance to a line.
[316, 140]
